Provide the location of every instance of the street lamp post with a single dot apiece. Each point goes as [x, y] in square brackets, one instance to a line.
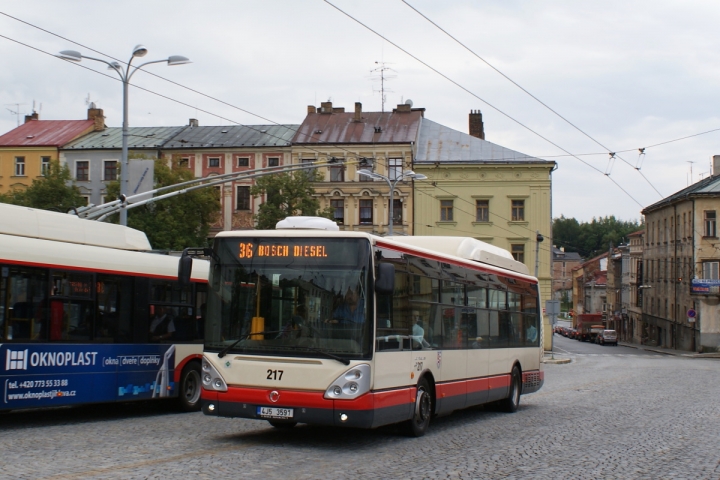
[125, 76]
[392, 184]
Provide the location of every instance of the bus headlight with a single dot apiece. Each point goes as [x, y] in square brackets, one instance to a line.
[350, 384]
[212, 380]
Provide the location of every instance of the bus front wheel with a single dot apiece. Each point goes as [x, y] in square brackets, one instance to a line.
[422, 410]
[189, 393]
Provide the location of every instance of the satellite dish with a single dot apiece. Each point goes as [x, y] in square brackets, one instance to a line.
[408, 102]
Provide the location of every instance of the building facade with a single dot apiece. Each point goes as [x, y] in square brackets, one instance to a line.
[680, 267]
[26, 151]
[380, 143]
[562, 265]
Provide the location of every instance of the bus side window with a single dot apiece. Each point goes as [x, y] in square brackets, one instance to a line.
[393, 316]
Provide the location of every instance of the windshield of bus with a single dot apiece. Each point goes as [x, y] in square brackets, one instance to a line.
[299, 296]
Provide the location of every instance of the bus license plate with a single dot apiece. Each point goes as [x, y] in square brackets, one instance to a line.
[274, 412]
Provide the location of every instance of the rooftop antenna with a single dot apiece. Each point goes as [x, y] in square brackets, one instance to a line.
[15, 112]
[382, 68]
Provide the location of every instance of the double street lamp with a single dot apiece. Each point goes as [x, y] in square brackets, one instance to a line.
[392, 184]
[125, 74]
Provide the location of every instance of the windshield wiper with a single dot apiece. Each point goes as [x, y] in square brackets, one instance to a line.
[225, 350]
[342, 360]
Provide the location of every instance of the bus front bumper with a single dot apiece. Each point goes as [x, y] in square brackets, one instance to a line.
[370, 410]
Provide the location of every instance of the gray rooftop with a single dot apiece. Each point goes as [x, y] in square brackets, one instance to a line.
[707, 187]
[111, 138]
[438, 143]
[234, 136]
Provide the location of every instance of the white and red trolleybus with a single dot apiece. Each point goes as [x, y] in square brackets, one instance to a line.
[352, 329]
[77, 302]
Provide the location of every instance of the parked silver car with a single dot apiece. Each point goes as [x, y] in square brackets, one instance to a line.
[607, 337]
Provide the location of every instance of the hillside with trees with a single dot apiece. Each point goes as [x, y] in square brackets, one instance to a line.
[590, 239]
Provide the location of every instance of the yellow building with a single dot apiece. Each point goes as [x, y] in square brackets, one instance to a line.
[377, 142]
[26, 151]
[479, 189]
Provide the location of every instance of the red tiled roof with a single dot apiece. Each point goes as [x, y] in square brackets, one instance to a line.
[374, 127]
[45, 133]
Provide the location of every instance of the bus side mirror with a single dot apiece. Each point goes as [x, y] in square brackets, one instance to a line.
[185, 269]
[385, 281]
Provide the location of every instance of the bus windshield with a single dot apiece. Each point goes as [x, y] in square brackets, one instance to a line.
[306, 297]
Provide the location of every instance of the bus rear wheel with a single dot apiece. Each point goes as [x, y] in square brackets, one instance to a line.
[422, 410]
[189, 393]
[511, 403]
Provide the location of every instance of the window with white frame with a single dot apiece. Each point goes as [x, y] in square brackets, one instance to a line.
[243, 162]
[184, 162]
[213, 162]
[82, 170]
[44, 165]
[19, 166]
[710, 271]
[710, 223]
[395, 166]
[110, 170]
[273, 162]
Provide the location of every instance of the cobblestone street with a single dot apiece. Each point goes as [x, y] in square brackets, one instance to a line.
[601, 416]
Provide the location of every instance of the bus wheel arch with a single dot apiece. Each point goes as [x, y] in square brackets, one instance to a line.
[190, 387]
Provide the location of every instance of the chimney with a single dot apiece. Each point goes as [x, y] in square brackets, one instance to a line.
[96, 115]
[193, 122]
[326, 107]
[716, 165]
[476, 124]
[311, 109]
[34, 116]
[403, 107]
[358, 112]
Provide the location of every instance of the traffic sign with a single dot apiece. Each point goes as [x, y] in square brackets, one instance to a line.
[691, 313]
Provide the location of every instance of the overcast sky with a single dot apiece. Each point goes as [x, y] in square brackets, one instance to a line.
[627, 74]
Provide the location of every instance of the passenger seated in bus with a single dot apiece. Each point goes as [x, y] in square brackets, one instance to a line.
[531, 334]
[350, 311]
[418, 332]
[163, 326]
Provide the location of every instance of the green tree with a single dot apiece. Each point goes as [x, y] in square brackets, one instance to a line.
[591, 238]
[54, 191]
[176, 222]
[288, 194]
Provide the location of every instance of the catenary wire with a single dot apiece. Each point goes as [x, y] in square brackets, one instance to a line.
[527, 92]
[481, 99]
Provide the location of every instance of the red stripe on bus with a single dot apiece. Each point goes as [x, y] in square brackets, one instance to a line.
[95, 270]
[470, 264]
[502, 381]
[477, 385]
[450, 389]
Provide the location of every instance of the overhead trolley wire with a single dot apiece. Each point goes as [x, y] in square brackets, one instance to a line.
[479, 98]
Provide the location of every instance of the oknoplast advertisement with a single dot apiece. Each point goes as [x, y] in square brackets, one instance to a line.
[44, 375]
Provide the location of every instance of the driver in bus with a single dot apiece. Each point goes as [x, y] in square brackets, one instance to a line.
[163, 326]
[350, 310]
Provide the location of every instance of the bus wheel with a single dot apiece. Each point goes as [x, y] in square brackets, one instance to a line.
[281, 424]
[418, 425]
[189, 393]
[510, 404]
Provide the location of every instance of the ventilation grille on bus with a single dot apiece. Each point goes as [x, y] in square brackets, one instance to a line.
[532, 379]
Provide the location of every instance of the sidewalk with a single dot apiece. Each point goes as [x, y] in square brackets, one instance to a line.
[670, 351]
